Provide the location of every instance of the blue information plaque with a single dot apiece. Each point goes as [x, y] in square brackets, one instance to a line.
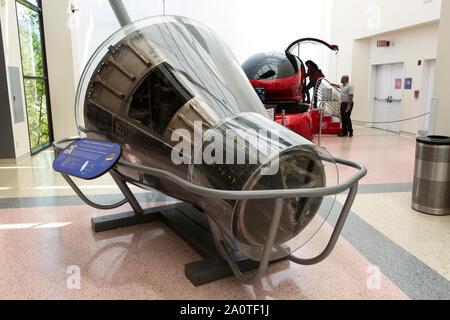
[87, 159]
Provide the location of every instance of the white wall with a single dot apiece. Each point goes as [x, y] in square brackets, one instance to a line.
[62, 65]
[409, 46]
[248, 26]
[10, 33]
[356, 26]
[442, 91]
[356, 19]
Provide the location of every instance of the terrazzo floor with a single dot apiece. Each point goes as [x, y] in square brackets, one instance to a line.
[386, 251]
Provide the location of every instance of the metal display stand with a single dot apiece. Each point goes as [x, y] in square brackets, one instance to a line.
[221, 258]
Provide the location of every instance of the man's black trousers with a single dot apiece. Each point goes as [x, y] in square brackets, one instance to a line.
[346, 118]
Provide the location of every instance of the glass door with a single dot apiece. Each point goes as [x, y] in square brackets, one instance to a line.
[34, 67]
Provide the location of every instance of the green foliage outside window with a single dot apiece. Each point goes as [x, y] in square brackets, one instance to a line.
[33, 66]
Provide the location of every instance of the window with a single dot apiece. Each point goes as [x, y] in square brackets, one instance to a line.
[158, 99]
[29, 22]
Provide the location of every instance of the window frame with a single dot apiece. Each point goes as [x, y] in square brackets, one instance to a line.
[38, 10]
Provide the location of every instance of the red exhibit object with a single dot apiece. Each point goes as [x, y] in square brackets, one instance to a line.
[300, 123]
[286, 89]
[279, 78]
[416, 94]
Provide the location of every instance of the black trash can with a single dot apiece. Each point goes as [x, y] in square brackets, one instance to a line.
[431, 190]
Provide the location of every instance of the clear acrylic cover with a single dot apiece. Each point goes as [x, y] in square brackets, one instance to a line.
[161, 75]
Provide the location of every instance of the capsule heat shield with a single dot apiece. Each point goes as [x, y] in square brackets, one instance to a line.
[299, 168]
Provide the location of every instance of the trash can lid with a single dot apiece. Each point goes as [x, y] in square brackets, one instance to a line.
[435, 140]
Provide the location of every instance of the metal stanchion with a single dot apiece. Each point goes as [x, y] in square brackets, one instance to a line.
[320, 122]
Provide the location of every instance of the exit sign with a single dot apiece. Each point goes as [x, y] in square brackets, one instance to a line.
[383, 43]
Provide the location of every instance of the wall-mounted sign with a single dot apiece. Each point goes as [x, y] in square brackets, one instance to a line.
[383, 43]
[408, 83]
[398, 84]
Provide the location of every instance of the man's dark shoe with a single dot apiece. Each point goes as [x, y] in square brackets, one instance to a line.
[342, 135]
[350, 134]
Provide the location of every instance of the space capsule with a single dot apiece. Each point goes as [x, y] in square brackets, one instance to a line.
[162, 81]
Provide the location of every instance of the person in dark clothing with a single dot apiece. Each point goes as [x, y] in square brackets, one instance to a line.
[314, 74]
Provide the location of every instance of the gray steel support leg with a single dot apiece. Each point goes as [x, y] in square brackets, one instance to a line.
[89, 202]
[127, 219]
[127, 193]
[265, 258]
[336, 233]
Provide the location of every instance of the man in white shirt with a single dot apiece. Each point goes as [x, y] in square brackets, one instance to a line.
[346, 106]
